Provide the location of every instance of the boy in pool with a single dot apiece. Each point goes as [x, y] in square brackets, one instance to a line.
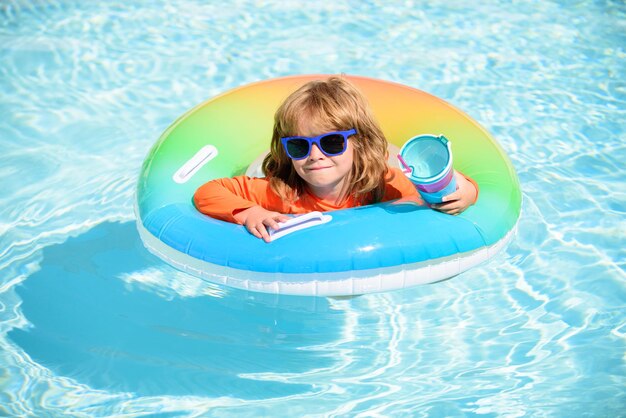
[327, 153]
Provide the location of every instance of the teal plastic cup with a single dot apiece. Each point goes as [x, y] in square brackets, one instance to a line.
[427, 161]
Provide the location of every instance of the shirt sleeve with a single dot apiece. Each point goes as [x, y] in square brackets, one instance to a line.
[223, 198]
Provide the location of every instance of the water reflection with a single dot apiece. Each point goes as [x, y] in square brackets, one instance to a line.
[93, 318]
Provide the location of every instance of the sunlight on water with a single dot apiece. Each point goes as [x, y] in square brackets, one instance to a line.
[93, 325]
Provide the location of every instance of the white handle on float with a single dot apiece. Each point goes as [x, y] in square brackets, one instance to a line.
[195, 163]
[297, 223]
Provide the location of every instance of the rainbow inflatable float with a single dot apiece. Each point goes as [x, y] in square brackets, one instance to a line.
[374, 248]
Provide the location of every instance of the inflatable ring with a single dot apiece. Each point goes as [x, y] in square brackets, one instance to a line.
[374, 248]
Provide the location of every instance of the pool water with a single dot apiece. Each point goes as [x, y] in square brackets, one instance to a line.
[91, 324]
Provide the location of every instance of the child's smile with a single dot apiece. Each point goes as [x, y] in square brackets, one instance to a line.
[325, 176]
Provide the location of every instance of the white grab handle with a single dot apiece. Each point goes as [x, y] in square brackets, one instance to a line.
[297, 223]
[195, 163]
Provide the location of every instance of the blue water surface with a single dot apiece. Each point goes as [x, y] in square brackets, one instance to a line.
[93, 325]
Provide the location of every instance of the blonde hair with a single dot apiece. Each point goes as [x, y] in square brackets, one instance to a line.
[333, 104]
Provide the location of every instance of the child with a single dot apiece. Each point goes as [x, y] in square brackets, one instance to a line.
[327, 153]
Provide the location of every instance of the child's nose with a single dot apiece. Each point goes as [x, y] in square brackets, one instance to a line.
[315, 152]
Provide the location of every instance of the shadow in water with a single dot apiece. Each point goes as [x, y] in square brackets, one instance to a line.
[89, 324]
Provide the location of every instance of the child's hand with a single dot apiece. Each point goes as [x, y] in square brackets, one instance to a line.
[256, 220]
[461, 199]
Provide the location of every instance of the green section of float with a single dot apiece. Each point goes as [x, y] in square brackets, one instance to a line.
[238, 128]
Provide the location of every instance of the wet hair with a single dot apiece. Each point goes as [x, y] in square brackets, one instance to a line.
[333, 104]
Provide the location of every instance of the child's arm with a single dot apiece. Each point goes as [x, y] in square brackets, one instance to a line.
[465, 195]
[220, 198]
[243, 200]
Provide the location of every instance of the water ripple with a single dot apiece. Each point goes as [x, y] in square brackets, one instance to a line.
[87, 88]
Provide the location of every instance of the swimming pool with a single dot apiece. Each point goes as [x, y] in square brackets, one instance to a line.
[93, 325]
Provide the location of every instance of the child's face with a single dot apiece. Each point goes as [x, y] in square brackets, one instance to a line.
[325, 175]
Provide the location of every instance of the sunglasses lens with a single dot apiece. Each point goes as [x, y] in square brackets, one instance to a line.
[333, 144]
[298, 148]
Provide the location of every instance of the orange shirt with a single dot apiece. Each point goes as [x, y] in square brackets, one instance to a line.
[221, 198]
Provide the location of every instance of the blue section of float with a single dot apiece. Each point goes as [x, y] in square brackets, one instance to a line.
[369, 237]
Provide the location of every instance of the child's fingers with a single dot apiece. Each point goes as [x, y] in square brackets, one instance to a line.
[453, 211]
[450, 208]
[456, 195]
[258, 227]
[258, 230]
[263, 231]
[440, 206]
[448, 204]
[271, 223]
[252, 229]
